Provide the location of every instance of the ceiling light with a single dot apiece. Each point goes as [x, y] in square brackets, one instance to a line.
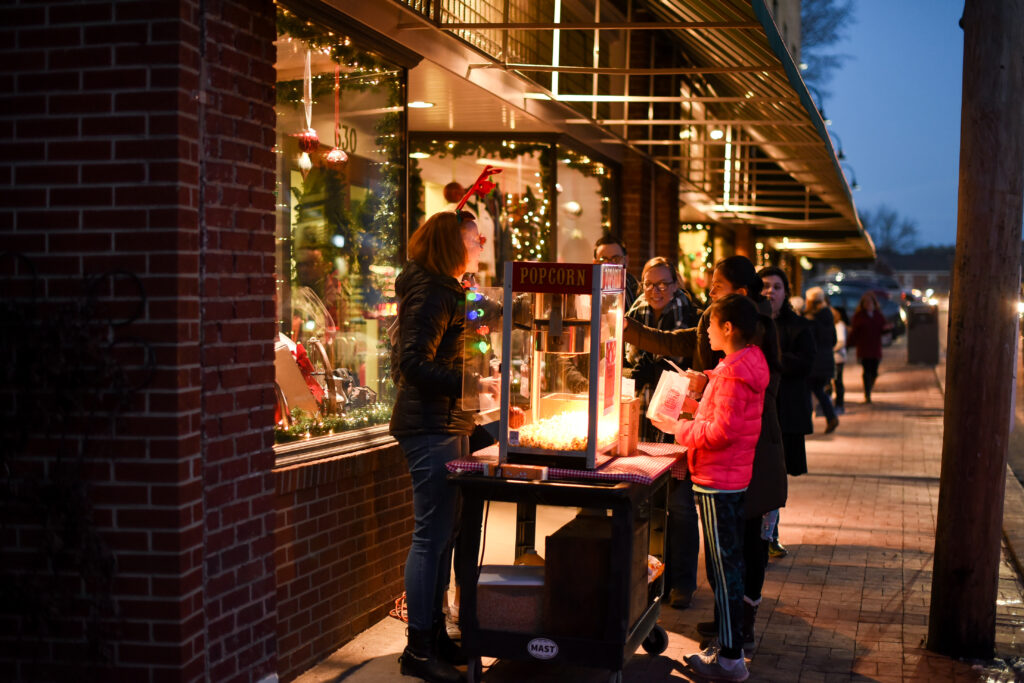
[419, 155]
[716, 134]
[804, 66]
[420, 104]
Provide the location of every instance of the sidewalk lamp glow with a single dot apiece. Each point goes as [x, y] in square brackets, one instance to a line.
[1020, 309]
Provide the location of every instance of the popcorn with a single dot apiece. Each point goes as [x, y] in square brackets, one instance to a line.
[565, 432]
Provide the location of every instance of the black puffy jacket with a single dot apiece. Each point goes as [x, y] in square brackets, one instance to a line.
[428, 354]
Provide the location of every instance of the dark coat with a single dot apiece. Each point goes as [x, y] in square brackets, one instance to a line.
[428, 354]
[768, 483]
[796, 343]
[824, 330]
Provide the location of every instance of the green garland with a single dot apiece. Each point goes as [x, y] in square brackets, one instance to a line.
[305, 426]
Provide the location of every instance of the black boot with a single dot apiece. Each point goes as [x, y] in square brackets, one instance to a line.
[447, 649]
[420, 659]
[747, 632]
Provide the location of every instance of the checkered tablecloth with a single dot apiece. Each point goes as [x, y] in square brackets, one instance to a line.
[650, 462]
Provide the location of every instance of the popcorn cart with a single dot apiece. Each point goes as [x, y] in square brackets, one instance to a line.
[562, 349]
[591, 598]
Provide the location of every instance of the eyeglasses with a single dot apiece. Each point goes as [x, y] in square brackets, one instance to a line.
[609, 259]
[658, 286]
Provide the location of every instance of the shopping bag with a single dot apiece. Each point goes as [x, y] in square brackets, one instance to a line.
[668, 398]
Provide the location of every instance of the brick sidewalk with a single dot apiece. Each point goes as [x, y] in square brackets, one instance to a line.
[850, 602]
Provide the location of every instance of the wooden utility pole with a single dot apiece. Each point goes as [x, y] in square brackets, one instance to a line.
[983, 331]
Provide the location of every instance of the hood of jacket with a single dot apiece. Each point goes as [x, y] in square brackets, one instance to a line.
[747, 365]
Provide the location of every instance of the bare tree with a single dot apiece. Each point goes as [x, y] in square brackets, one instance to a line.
[823, 23]
[890, 231]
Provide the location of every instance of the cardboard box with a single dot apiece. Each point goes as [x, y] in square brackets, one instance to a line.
[577, 571]
[510, 598]
[629, 425]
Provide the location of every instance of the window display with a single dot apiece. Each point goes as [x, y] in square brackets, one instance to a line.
[340, 158]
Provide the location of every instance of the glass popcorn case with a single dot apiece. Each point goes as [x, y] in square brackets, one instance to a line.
[561, 363]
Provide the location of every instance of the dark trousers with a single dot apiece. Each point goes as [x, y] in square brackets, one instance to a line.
[755, 559]
[840, 389]
[870, 368]
[817, 385]
[721, 517]
[683, 537]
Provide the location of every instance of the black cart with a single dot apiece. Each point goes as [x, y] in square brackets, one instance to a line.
[637, 516]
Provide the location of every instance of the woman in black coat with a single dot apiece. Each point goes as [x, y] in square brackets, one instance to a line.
[796, 343]
[429, 425]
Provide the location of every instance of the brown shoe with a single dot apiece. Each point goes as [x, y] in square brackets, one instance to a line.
[832, 424]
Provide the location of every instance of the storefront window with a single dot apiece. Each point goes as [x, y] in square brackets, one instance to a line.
[341, 162]
[585, 192]
[550, 203]
[695, 259]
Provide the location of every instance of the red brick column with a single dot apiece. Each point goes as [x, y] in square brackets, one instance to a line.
[137, 136]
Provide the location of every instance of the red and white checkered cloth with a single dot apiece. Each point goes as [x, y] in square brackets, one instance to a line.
[650, 462]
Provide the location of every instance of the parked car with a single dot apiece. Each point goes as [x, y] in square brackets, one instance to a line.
[846, 295]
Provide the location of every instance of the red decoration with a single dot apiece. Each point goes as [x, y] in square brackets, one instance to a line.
[308, 140]
[481, 187]
[337, 156]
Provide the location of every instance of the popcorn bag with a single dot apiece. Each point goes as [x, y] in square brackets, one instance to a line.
[669, 397]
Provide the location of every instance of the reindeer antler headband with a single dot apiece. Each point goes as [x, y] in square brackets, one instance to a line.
[481, 187]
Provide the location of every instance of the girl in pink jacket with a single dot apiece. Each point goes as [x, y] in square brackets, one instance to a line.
[720, 443]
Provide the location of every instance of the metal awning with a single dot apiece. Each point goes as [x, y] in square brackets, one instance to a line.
[721, 104]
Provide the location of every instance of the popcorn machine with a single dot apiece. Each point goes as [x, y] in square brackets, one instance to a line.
[561, 363]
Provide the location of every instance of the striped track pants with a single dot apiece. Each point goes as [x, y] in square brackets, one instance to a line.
[721, 516]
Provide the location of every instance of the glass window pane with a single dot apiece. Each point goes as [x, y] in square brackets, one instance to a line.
[339, 145]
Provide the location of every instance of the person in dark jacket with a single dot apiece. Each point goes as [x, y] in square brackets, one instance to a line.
[429, 424]
[824, 369]
[796, 345]
[767, 491]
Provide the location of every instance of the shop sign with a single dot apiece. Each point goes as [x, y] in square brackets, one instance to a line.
[552, 278]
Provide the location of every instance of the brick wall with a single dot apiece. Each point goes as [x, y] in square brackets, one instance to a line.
[343, 532]
[137, 136]
[650, 212]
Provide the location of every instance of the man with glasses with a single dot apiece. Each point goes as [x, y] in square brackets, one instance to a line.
[608, 249]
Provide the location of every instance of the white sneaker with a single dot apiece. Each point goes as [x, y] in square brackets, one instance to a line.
[710, 664]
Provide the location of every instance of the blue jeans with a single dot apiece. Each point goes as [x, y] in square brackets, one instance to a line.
[817, 386]
[434, 503]
[683, 537]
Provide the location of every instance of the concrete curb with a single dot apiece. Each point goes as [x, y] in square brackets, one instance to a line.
[1013, 503]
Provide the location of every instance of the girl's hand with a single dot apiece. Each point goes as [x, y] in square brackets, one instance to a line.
[667, 426]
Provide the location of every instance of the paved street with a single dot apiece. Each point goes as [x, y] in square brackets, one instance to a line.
[850, 602]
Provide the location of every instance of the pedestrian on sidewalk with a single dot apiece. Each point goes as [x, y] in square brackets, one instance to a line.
[797, 349]
[427, 366]
[767, 490]
[866, 330]
[824, 368]
[720, 443]
[839, 355]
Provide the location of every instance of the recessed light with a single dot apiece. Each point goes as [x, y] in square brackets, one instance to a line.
[716, 134]
[420, 104]
[419, 155]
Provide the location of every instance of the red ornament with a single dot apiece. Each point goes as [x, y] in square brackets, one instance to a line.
[337, 156]
[308, 141]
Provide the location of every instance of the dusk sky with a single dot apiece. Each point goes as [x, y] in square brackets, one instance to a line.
[895, 107]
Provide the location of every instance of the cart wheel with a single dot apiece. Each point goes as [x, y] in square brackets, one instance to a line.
[656, 641]
[616, 677]
[475, 670]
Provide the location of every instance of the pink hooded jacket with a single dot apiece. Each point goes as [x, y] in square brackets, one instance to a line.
[720, 439]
